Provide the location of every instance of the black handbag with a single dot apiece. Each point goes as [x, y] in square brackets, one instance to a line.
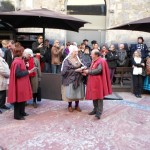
[39, 94]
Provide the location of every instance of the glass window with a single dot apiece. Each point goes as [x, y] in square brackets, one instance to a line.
[87, 10]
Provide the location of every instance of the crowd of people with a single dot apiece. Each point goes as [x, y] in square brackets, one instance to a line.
[81, 66]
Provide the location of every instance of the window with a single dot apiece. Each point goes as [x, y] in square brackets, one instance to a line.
[87, 10]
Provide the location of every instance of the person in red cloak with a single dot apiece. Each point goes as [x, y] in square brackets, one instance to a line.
[19, 90]
[98, 84]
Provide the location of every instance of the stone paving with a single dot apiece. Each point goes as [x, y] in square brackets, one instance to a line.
[124, 125]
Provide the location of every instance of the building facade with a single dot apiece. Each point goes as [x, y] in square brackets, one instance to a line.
[117, 12]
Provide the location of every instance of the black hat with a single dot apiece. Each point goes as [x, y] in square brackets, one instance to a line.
[85, 40]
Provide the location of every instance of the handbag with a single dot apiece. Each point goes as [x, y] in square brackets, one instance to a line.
[39, 94]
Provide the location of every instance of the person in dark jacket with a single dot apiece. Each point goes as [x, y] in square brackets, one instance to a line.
[48, 67]
[9, 54]
[86, 58]
[38, 48]
[112, 58]
[137, 64]
[140, 46]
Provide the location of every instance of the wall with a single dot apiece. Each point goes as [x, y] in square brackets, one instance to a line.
[124, 12]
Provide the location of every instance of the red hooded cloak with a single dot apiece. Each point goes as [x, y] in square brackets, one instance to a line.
[99, 86]
[19, 89]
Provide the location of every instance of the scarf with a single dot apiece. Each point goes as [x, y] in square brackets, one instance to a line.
[31, 65]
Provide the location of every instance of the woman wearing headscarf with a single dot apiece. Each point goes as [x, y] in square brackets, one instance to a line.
[72, 85]
[35, 76]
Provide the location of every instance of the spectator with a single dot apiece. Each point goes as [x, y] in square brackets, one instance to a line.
[140, 46]
[137, 64]
[86, 59]
[9, 54]
[95, 46]
[74, 43]
[56, 54]
[104, 51]
[112, 58]
[72, 85]
[4, 77]
[98, 84]
[4, 47]
[81, 50]
[38, 48]
[48, 59]
[35, 77]
[122, 56]
[85, 41]
[17, 44]
[19, 90]
[66, 50]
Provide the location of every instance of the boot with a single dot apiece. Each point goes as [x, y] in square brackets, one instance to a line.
[78, 109]
[95, 107]
[34, 105]
[92, 112]
[70, 109]
[99, 109]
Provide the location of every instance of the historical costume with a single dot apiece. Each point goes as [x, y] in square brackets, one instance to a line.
[72, 85]
[98, 84]
[35, 77]
[19, 90]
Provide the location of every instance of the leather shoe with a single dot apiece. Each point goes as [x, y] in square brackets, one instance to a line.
[97, 116]
[5, 107]
[139, 96]
[34, 105]
[92, 113]
[0, 112]
[78, 109]
[70, 109]
[20, 118]
[25, 114]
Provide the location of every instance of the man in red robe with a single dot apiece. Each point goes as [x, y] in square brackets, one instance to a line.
[98, 84]
[19, 90]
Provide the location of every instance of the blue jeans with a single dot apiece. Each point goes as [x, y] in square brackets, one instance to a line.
[56, 69]
[48, 68]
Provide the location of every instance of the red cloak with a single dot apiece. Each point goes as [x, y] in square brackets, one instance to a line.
[99, 86]
[19, 89]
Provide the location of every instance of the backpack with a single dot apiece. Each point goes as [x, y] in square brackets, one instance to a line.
[148, 66]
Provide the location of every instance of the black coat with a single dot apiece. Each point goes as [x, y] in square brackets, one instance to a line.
[8, 57]
[48, 55]
[112, 58]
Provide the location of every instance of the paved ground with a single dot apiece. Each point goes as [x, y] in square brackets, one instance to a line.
[124, 125]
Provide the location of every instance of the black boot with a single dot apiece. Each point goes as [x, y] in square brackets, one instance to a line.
[95, 107]
[99, 109]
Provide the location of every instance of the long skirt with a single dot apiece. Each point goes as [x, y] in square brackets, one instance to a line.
[69, 94]
[147, 83]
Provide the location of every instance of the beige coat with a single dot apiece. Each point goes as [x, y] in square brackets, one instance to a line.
[56, 54]
[4, 74]
[35, 80]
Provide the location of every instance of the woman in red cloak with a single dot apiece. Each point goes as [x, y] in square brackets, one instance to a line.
[19, 90]
[98, 84]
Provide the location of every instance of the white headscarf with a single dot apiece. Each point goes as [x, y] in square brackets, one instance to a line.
[72, 48]
[28, 51]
